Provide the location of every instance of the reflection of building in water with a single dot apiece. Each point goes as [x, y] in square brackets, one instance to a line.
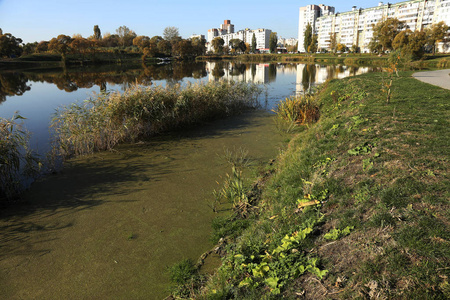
[309, 76]
[255, 73]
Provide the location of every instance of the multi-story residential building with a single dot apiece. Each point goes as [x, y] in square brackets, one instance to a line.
[356, 26]
[226, 32]
[309, 15]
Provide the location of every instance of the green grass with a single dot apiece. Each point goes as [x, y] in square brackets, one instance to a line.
[378, 168]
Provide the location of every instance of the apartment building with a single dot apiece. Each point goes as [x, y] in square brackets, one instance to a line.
[309, 15]
[226, 32]
[355, 27]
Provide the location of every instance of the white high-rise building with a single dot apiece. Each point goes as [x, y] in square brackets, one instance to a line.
[309, 15]
[355, 27]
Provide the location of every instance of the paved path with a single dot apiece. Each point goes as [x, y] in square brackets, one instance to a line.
[440, 78]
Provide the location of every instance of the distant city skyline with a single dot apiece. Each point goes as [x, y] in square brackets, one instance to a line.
[33, 20]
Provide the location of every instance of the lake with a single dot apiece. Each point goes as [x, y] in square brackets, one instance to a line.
[108, 225]
[35, 94]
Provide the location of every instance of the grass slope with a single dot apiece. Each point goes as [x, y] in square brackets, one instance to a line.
[381, 229]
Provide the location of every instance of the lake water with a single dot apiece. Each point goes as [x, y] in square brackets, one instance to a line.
[35, 94]
[108, 225]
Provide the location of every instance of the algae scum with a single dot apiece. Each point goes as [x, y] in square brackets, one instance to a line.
[109, 225]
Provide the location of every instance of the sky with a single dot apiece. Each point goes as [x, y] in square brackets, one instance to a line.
[38, 20]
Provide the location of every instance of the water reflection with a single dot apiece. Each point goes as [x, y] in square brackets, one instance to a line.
[17, 83]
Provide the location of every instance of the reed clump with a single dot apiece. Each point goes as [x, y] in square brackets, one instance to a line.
[107, 119]
[300, 110]
[17, 162]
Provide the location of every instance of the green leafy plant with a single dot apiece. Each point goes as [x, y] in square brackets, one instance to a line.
[335, 233]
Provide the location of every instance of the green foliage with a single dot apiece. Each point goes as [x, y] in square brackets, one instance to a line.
[273, 40]
[335, 233]
[307, 37]
[181, 272]
[363, 149]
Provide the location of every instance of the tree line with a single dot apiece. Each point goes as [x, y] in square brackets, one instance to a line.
[236, 46]
[171, 44]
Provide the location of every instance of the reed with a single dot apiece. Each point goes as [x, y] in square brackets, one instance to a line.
[105, 120]
[16, 160]
[300, 110]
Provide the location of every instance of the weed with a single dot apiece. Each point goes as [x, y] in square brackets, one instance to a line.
[301, 110]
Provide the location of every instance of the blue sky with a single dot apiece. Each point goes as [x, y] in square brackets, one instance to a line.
[37, 20]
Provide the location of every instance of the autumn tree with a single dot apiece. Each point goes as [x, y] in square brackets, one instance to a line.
[164, 47]
[217, 44]
[410, 44]
[81, 45]
[126, 35]
[182, 48]
[198, 46]
[307, 37]
[253, 43]
[141, 41]
[61, 45]
[10, 45]
[110, 40]
[384, 32]
[273, 40]
[42, 46]
[97, 33]
[436, 34]
[171, 34]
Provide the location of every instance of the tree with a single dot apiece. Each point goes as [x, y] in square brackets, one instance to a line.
[333, 42]
[182, 48]
[61, 45]
[141, 41]
[435, 34]
[217, 44]
[384, 32]
[341, 48]
[81, 45]
[307, 37]
[97, 33]
[401, 40]
[312, 48]
[237, 45]
[198, 46]
[10, 45]
[253, 43]
[42, 46]
[164, 47]
[171, 34]
[273, 40]
[126, 35]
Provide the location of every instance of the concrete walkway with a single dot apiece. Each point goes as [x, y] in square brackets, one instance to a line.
[440, 78]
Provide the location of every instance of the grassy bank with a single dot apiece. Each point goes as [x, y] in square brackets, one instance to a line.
[349, 59]
[357, 206]
[108, 119]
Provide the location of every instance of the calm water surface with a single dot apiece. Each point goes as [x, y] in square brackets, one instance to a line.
[108, 225]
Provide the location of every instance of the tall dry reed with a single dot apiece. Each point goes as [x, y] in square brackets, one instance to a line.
[17, 162]
[300, 110]
[105, 120]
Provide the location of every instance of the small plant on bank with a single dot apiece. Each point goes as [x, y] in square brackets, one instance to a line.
[301, 110]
